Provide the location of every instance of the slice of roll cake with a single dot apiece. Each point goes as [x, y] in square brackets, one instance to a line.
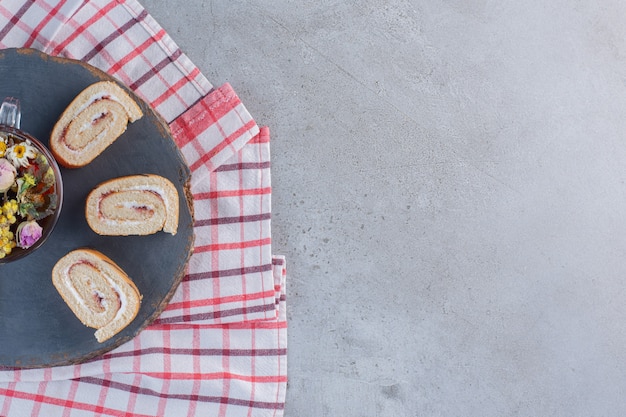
[97, 291]
[92, 122]
[133, 205]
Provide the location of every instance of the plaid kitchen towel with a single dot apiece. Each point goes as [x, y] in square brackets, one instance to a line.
[220, 346]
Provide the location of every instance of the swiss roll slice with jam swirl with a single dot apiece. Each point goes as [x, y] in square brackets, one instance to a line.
[133, 205]
[97, 290]
[93, 121]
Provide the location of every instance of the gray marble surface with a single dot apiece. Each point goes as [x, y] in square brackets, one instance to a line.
[449, 188]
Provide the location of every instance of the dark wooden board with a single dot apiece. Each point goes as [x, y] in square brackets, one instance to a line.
[36, 327]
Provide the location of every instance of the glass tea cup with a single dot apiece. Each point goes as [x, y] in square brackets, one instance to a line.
[31, 187]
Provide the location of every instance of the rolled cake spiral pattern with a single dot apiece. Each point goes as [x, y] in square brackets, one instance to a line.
[133, 205]
[92, 122]
[97, 291]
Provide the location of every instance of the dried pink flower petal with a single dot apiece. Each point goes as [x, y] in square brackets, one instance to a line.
[7, 174]
[28, 233]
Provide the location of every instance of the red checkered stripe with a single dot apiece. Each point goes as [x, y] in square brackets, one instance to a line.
[279, 271]
[213, 130]
[33, 24]
[231, 264]
[122, 39]
[158, 394]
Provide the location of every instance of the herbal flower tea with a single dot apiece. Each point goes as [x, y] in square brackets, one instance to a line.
[27, 193]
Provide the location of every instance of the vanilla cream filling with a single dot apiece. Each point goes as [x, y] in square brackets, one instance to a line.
[95, 97]
[160, 191]
[122, 298]
[79, 300]
[93, 143]
[68, 284]
[98, 96]
[130, 204]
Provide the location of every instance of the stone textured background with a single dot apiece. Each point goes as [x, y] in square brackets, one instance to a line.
[449, 187]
